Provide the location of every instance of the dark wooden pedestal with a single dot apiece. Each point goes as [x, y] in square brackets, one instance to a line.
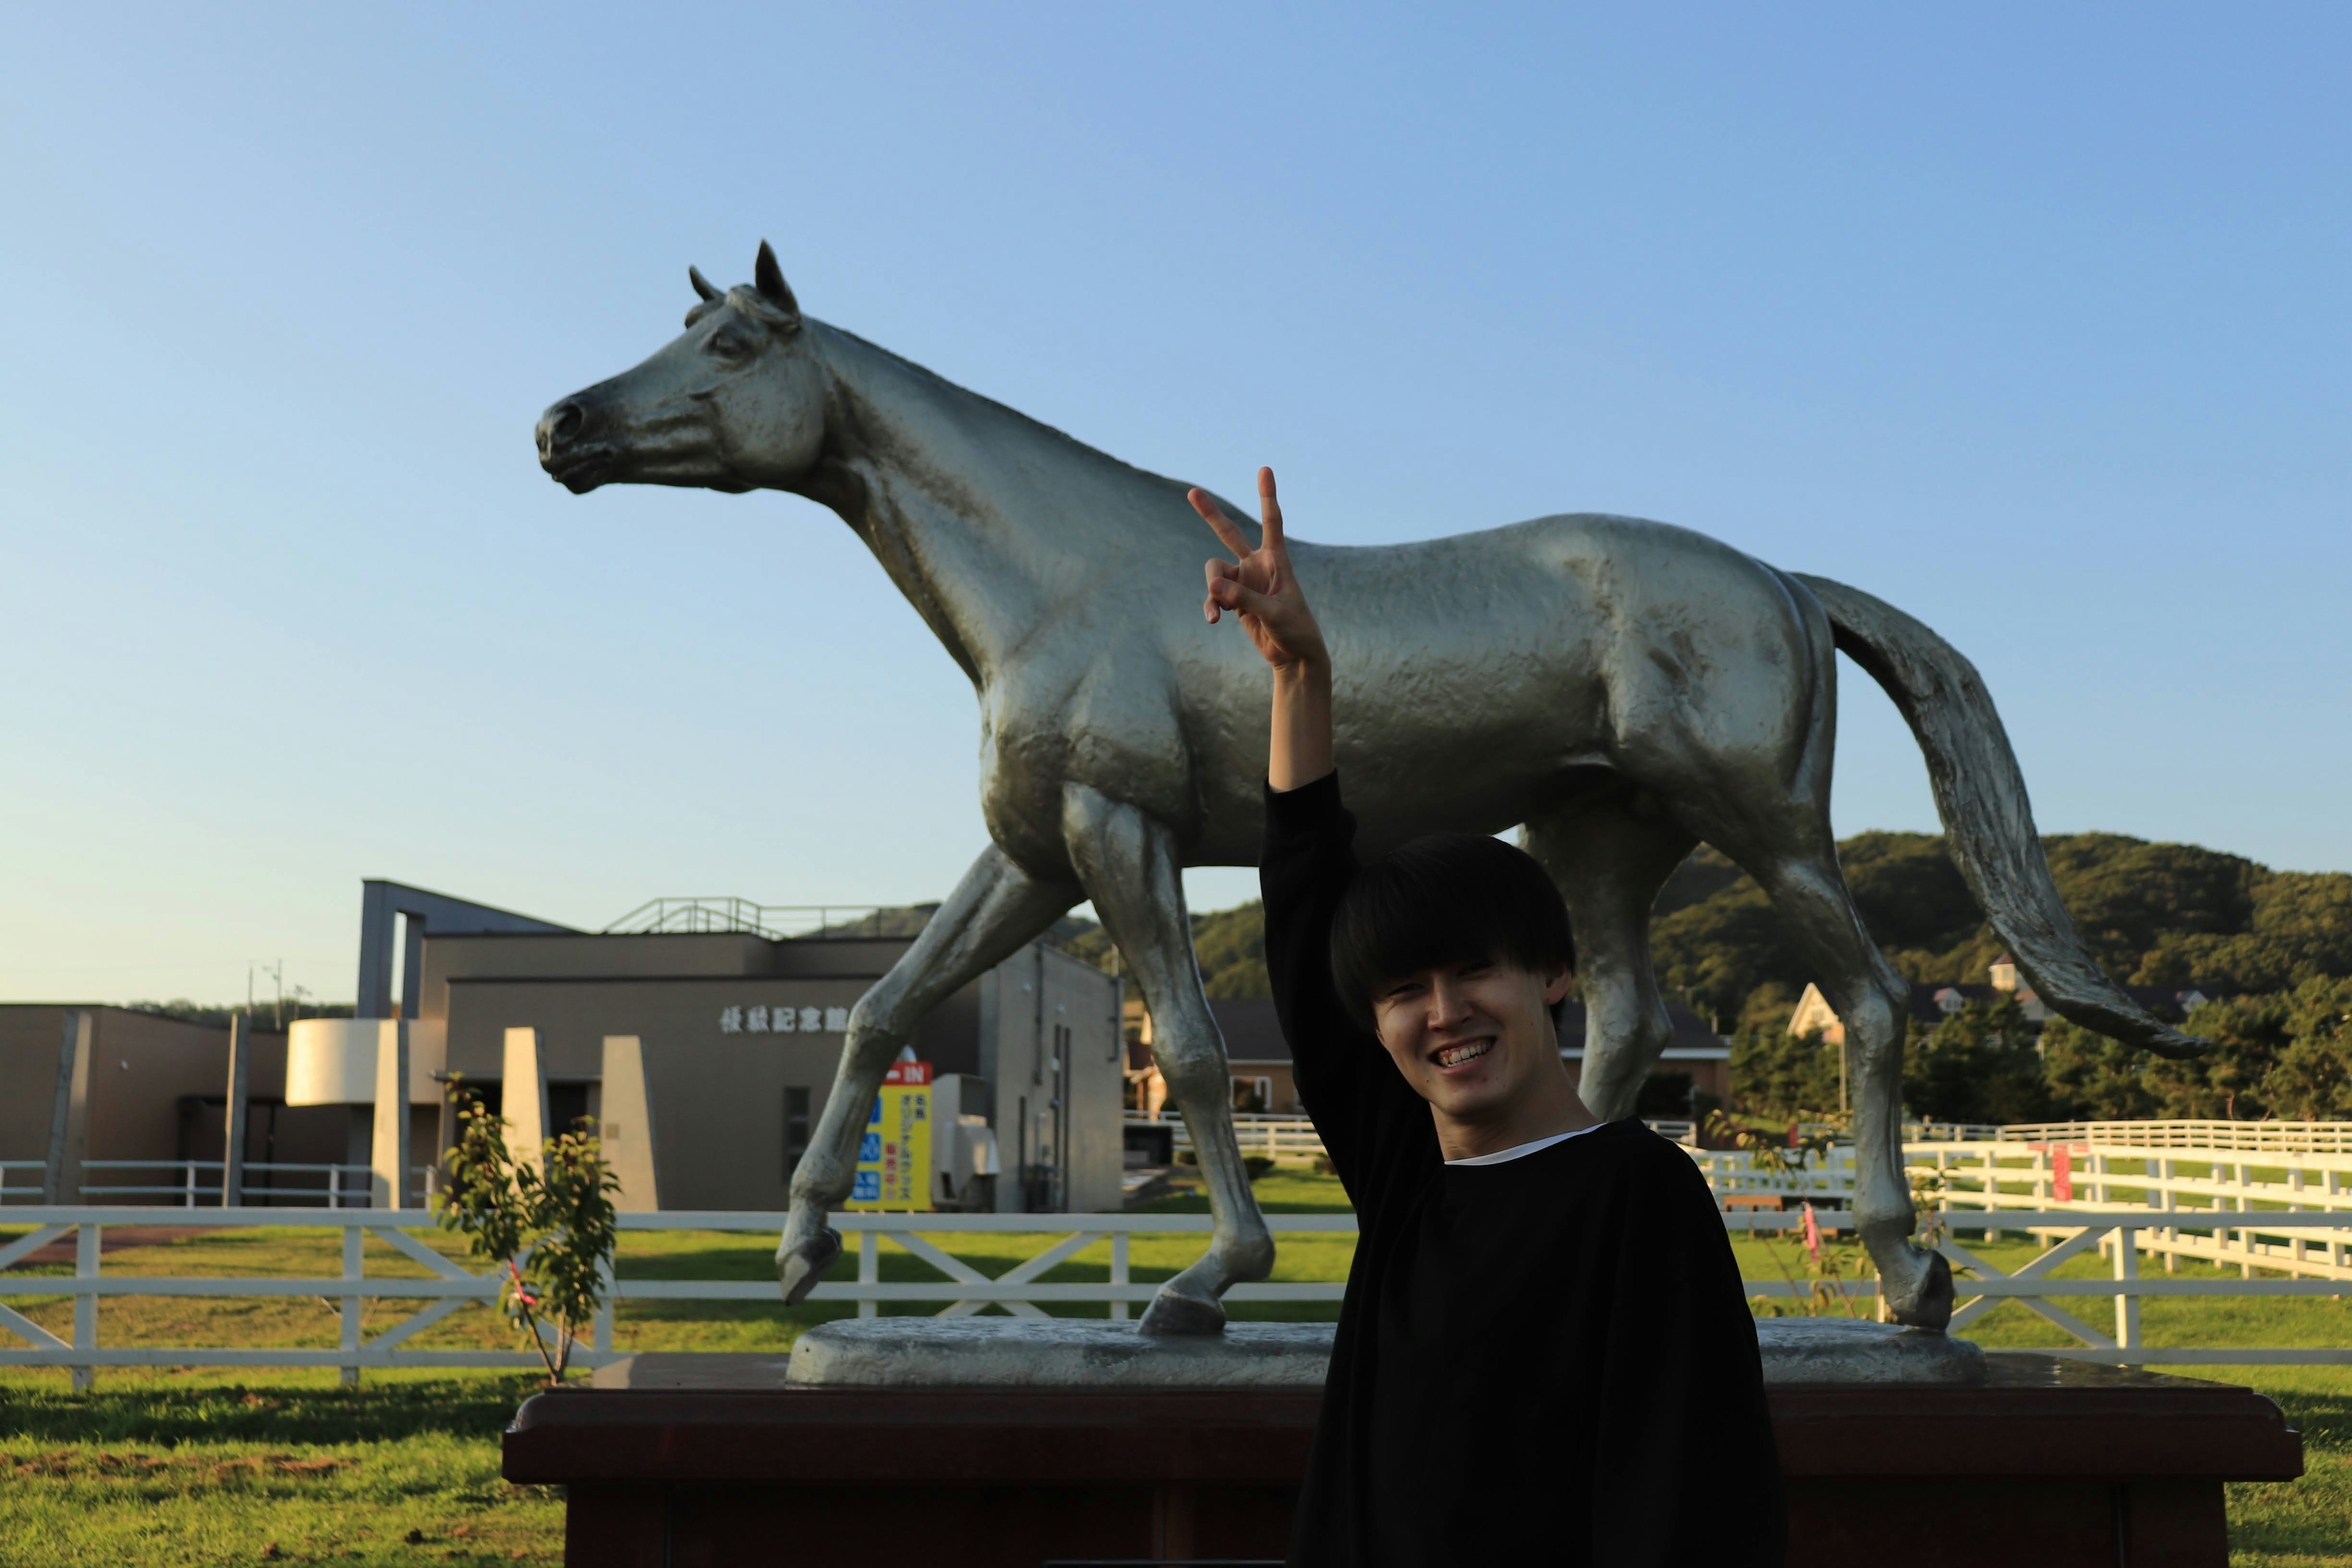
[707, 1461]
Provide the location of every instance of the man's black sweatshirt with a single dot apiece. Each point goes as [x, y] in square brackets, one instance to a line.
[1545, 1361]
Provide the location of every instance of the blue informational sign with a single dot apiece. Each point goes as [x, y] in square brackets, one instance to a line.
[868, 1189]
[869, 1148]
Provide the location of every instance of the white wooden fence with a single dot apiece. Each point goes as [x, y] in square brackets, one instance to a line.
[960, 1289]
[1275, 1136]
[2253, 1137]
[196, 1184]
[2065, 1174]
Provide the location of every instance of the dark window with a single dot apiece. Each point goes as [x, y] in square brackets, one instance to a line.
[567, 1106]
[796, 1129]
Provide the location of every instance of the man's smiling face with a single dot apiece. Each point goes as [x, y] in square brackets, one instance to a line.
[1471, 1037]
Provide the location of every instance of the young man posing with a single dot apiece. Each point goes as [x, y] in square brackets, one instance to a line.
[1545, 1355]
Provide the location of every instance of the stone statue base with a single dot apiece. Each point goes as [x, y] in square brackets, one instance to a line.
[1056, 1353]
[1068, 1353]
[1840, 1349]
[716, 1457]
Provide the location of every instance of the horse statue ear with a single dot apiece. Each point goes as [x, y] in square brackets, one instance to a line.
[769, 279]
[703, 286]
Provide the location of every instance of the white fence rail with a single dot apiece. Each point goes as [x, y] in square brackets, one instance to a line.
[2082, 1177]
[1275, 1136]
[961, 1289]
[196, 1184]
[2253, 1137]
[2101, 1177]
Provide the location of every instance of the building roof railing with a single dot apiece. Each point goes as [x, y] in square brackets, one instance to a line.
[776, 922]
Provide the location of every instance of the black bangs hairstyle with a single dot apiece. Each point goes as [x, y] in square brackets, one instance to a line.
[1445, 899]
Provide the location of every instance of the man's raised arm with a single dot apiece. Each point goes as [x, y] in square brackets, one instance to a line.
[1259, 586]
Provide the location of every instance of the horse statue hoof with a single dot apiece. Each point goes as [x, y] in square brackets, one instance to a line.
[1922, 1298]
[800, 1264]
[1171, 1315]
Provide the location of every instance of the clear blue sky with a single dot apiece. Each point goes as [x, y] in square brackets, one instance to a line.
[2035, 325]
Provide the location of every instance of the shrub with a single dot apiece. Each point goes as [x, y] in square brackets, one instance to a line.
[548, 1223]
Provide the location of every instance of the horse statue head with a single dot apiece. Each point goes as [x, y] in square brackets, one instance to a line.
[734, 402]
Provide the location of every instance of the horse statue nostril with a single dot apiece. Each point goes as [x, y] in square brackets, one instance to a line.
[558, 426]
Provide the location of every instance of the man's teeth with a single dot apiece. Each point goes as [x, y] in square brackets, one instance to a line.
[1453, 1056]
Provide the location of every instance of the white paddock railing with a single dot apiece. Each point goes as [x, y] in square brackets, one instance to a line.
[2253, 1137]
[446, 1286]
[2005, 1177]
[196, 1184]
[1276, 1137]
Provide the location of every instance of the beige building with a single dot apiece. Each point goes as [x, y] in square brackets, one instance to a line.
[741, 1036]
[155, 1093]
[738, 1033]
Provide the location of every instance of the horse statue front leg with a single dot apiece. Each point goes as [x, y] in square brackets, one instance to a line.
[994, 909]
[1130, 866]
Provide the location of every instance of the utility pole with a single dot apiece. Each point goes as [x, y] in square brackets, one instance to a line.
[276, 970]
[240, 1067]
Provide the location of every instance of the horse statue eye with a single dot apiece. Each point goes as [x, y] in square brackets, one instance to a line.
[727, 345]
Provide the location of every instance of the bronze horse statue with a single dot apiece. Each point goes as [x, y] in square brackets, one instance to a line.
[1630, 690]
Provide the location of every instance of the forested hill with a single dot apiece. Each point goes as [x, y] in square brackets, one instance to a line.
[2153, 913]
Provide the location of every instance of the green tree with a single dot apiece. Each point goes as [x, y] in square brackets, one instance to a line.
[2090, 1078]
[1230, 946]
[1716, 954]
[2312, 1078]
[1775, 1074]
[2226, 1082]
[2301, 930]
[1978, 1065]
[548, 1223]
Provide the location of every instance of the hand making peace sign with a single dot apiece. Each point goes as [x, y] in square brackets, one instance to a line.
[1259, 585]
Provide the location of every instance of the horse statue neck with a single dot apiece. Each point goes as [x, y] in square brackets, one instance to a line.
[979, 514]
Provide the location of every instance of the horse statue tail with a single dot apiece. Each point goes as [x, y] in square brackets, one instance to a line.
[1981, 794]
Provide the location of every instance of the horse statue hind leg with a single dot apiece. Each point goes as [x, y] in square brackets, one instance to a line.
[1610, 858]
[1764, 802]
[1130, 864]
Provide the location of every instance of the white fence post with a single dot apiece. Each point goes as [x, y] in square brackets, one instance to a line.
[2127, 1305]
[2245, 1238]
[869, 1270]
[88, 1247]
[600, 1336]
[1119, 1270]
[355, 1243]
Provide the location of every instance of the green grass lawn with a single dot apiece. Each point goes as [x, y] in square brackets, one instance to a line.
[194, 1467]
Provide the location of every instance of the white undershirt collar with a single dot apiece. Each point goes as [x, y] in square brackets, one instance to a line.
[1520, 1151]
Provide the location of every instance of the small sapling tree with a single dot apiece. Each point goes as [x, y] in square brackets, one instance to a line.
[1809, 1137]
[547, 1223]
